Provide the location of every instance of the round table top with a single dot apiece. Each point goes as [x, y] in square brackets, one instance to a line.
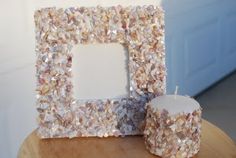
[214, 143]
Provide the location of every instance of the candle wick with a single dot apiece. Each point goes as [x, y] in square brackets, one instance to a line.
[176, 91]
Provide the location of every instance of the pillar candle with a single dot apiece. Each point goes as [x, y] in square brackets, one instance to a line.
[173, 126]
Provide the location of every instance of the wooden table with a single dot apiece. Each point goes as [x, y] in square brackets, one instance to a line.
[215, 144]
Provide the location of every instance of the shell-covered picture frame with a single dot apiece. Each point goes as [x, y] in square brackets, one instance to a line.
[139, 28]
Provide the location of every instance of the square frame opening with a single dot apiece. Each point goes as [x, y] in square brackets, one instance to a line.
[100, 71]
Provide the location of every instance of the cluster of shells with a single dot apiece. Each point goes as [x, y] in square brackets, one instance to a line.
[172, 135]
[139, 28]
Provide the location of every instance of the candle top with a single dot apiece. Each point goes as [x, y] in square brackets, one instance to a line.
[175, 104]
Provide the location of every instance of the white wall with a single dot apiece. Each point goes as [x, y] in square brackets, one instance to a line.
[200, 44]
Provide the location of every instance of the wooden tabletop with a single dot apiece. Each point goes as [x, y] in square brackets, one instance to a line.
[214, 144]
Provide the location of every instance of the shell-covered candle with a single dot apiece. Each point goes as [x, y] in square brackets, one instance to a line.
[173, 126]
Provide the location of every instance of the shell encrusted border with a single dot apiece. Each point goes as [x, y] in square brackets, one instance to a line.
[139, 28]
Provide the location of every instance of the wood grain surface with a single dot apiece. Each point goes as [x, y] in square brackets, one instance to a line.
[214, 144]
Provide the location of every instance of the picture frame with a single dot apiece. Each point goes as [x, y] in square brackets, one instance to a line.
[139, 28]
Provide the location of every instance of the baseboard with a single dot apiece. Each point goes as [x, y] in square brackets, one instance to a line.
[215, 83]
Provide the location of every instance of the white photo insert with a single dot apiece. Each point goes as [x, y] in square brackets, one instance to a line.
[100, 71]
